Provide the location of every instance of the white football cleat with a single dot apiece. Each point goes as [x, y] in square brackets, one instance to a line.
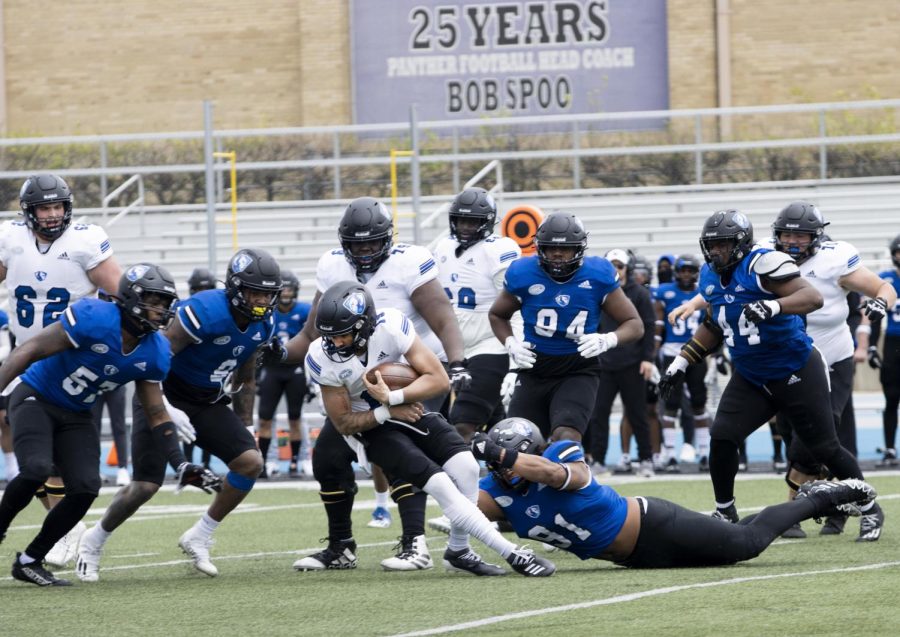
[87, 566]
[412, 555]
[123, 478]
[688, 453]
[197, 548]
[65, 550]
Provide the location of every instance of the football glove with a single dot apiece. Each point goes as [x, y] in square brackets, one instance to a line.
[483, 448]
[271, 352]
[520, 352]
[460, 378]
[507, 388]
[674, 375]
[723, 364]
[186, 431]
[875, 309]
[760, 311]
[874, 357]
[196, 475]
[592, 345]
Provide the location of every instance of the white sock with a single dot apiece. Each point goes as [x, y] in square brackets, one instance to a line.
[465, 514]
[24, 558]
[701, 436]
[12, 465]
[669, 436]
[206, 525]
[101, 534]
[381, 499]
[463, 470]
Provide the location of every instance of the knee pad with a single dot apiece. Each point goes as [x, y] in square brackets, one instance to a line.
[239, 481]
[401, 489]
[336, 493]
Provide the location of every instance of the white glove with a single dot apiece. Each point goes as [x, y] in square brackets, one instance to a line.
[507, 388]
[592, 345]
[186, 431]
[654, 376]
[520, 352]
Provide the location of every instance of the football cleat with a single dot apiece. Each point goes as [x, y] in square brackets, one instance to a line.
[35, 573]
[338, 555]
[468, 561]
[524, 561]
[441, 524]
[889, 461]
[703, 464]
[123, 478]
[381, 518]
[646, 469]
[834, 524]
[794, 533]
[846, 496]
[412, 555]
[728, 514]
[672, 466]
[87, 566]
[197, 548]
[65, 550]
[688, 453]
[623, 465]
[870, 525]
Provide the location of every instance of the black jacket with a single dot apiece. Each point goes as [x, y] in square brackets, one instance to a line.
[629, 354]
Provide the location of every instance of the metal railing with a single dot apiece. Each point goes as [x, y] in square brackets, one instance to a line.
[136, 204]
[578, 129]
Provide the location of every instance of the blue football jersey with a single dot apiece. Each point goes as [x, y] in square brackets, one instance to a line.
[557, 314]
[583, 522]
[288, 324]
[672, 296]
[770, 350]
[893, 316]
[73, 378]
[219, 345]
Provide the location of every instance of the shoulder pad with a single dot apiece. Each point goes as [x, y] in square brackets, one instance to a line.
[775, 265]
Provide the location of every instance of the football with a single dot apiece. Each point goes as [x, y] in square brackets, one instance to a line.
[395, 375]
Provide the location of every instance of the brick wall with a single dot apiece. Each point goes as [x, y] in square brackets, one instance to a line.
[89, 66]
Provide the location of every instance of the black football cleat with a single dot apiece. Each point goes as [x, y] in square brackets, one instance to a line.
[35, 573]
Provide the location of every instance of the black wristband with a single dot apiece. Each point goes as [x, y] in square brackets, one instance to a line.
[509, 459]
[166, 438]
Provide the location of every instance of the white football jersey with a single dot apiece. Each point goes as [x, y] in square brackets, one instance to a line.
[406, 268]
[472, 281]
[827, 326]
[42, 286]
[393, 336]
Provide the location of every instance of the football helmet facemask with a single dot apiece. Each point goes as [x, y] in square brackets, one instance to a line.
[561, 229]
[345, 308]
[253, 269]
[366, 221]
[146, 288]
[45, 189]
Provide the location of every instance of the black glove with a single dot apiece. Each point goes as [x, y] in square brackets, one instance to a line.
[722, 365]
[460, 378]
[271, 352]
[652, 392]
[196, 475]
[874, 357]
[875, 309]
[668, 382]
[483, 448]
[760, 311]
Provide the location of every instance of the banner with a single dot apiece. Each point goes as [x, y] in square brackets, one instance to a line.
[508, 58]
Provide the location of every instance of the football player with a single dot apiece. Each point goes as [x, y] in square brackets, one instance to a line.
[549, 495]
[278, 379]
[625, 371]
[756, 298]
[472, 264]
[48, 264]
[214, 343]
[404, 277]
[888, 364]
[392, 429]
[561, 293]
[93, 348]
[671, 338]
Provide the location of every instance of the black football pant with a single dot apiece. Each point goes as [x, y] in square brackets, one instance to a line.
[890, 385]
[802, 396]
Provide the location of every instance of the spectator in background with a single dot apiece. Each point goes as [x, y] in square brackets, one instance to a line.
[625, 370]
[670, 339]
[889, 362]
[281, 379]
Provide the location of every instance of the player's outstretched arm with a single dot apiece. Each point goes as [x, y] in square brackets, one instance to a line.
[795, 296]
[298, 345]
[432, 303]
[564, 476]
[48, 341]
